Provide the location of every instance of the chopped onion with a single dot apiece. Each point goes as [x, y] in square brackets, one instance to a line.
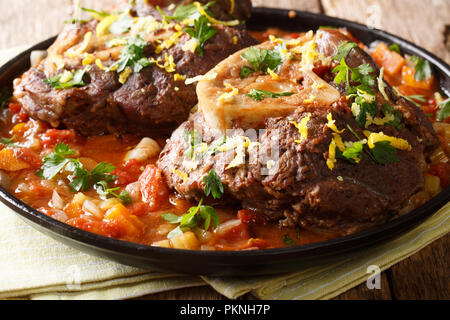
[37, 56]
[91, 207]
[227, 226]
[134, 190]
[57, 202]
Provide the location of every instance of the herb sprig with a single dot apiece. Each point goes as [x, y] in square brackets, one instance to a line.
[192, 219]
[68, 79]
[80, 178]
[260, 60]
[202, 31]
[258, 95]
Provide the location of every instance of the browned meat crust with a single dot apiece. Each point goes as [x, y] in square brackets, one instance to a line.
[301, 188]
[150, 102]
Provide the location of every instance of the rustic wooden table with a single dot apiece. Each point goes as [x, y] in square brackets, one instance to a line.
[427, 23]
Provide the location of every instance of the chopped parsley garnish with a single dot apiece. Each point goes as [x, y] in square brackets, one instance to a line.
[193, 139]
[365, 108]
[8, 142]
[67, 79]
[384, 152]
[395, 47]
[193, 218]
[444, 110]
[80, 179]
[344, 49]
[102, 189]
[411, 98]
[202, 31]
[260, 60]
[422, 67]
[288, 240]
[398, 116]
[5, 95]
[213, 185]
[259, 95]
[133, 55]
[98, 13]
[352, 154]
[361, 74]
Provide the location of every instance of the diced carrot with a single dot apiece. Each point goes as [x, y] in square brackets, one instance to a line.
[9, 162]
[122, 221]
[408, 79]
[390, 60]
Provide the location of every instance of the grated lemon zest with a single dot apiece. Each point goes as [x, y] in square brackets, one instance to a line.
[332, 124]
[397, 143]
[302, 127]
[202, 11]
[82, 48]
[123, 77]
[104, 24]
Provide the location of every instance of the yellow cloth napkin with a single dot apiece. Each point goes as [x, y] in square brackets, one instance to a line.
[35, 266]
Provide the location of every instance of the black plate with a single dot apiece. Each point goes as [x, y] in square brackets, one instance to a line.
[236, 263]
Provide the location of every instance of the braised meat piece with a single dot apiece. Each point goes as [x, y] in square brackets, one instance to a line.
[123, 74]
[325, 159]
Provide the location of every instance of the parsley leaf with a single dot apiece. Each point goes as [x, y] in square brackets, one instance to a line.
[8, 142]
[364, 109]
[80, 179]
[444, 110]
[203, 31]
[193, 139]
[398, 116]
[67, 79]
[344, 49]
[53, 163]
[288, 240]
[133, 55]
[354, 153]
[102, 171]
[95, 12]
[422, 67]
[395, 47]
[260, 60]
[213, 185]
[361, 74]
[5, 95]
[259, 95]
[102, 189]
[384, 152]
[192, 219]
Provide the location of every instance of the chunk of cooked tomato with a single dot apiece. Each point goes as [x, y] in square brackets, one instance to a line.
[129, 172]
[442, 170]
[154, 189]
[52, 137]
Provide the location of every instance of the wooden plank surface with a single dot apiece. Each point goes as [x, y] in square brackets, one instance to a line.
[426, 23]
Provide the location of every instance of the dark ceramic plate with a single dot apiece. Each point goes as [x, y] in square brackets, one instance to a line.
[237, 263]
